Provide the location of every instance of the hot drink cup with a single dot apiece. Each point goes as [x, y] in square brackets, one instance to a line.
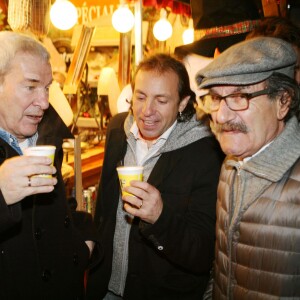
[45, 150]
[127, 174]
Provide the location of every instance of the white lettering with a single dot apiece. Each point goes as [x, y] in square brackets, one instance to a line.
[84, 13]
[91, 12]
[87, 14]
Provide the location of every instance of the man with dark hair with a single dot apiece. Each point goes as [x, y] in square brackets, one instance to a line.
[253, 102]
[159, 243]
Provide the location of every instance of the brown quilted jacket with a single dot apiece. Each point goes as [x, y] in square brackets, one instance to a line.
[258, 223]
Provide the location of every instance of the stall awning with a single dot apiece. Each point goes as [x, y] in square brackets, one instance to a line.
[177, 7]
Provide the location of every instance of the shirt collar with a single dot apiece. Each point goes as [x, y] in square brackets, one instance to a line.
[261, 149]
[13, 141]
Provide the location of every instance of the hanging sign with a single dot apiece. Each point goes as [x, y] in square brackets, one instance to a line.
[93, 9]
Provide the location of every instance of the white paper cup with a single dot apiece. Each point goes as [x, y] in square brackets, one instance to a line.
[128, 173]
[45, 150]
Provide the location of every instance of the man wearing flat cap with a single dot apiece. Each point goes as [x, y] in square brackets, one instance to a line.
[253, 102]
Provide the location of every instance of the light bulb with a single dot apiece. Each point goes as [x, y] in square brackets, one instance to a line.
[123, 19]
[63, 14]
[162, 29]
[188, 36]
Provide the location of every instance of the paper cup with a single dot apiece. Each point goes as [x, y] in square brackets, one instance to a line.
[128, 173]
[45, 150]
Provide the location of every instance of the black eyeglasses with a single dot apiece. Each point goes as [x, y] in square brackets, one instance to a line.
[236, 101]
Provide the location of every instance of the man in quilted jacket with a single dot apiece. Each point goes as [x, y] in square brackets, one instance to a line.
[253, 102]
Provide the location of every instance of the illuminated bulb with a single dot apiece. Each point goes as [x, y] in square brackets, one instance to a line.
[123, 19]
[188, 34]
[63, 14]
[162, 29]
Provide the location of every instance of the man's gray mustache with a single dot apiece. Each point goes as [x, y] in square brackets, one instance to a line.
[232, 127]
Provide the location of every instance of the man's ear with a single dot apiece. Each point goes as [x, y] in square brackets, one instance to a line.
[183, 103]
[283, 105]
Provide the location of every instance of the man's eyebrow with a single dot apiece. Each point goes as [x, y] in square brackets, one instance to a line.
[243, 88]
[236, 90]
[139, 91]
[32, 79]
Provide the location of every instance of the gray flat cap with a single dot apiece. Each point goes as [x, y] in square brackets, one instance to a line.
[249, 62]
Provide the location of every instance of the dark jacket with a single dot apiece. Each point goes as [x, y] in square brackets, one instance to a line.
[170, 259]
[43, 253]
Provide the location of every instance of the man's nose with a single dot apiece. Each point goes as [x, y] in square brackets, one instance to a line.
[148, 107]
[42, 99]
[224, 113]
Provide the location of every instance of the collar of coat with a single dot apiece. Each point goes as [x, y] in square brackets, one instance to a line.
[183, 134]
